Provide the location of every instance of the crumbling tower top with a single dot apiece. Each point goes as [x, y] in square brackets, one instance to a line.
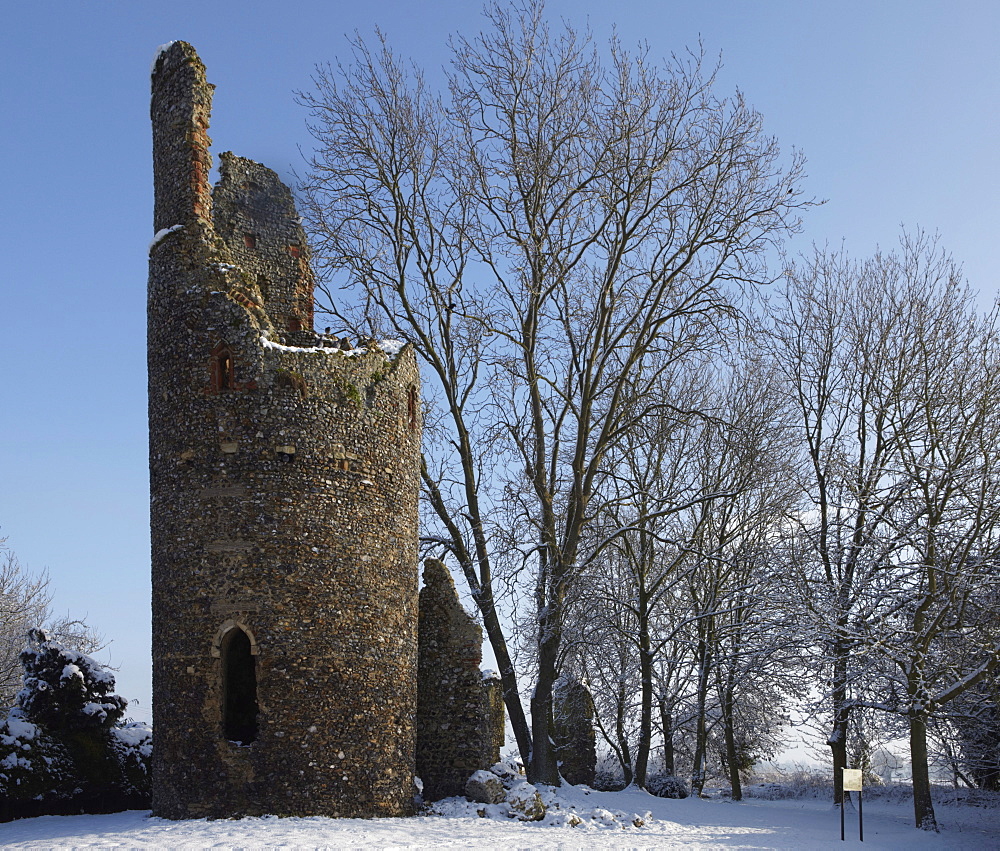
[248, 221]
[255, 215]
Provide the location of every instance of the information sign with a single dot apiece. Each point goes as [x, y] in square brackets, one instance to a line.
[852, 779]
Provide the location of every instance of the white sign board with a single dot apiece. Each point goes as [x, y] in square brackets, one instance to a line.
[852, 779]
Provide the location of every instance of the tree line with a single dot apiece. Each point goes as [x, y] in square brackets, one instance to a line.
[711, 482]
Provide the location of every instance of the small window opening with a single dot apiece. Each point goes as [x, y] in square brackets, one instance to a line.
[250, 240]
[239, 688]
[223, 369]
[226, 371]
[411, 406]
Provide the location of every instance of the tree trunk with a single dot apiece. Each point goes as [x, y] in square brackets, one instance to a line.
[667, 723]
[923, 807]
[543, 766]
[481, 585]
[646, 706]
[624, 752]
[701, 727]
[729, 731]
[838, 735]
[508, 679]
[698, 771]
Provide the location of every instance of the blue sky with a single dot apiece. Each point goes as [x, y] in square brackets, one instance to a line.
[894, 103]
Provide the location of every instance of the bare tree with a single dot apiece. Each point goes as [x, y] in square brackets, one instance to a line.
[25, 604]
[968, 737]
[831, 332]
[551, 237]
[746, 642]
[944, 425]
[686, 519]
[640, 539]
[389, 225]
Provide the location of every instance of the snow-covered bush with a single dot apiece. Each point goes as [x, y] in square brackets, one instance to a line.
[777, 785]
[667, 786]
[33, 765]
[132, 745]
[608, 774]
[65, 690]
[608, 781]
[60, 748]
[777, 791]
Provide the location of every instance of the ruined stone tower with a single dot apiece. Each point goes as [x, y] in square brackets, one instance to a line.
[284, 474]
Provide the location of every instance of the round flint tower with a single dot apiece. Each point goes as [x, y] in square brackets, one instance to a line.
[284, 475]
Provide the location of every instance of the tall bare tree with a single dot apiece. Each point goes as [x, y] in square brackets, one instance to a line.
[744, 640]
[553, 234]
[944, 425]
[638, 548]
[831, 337]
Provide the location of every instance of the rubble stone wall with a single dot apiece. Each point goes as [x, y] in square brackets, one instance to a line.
[495, 718]
[456, 722]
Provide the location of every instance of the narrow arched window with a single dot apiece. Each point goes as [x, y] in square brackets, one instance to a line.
[411, 407]
[226, 371]
[223, 369]
[239, 688]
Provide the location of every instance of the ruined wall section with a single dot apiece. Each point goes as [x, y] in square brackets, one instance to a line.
[573, 730]
[284, 483]
[454, 736]
[255, 216]
[495, 718]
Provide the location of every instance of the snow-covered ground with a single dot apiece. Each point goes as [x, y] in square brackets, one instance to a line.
[692, 824]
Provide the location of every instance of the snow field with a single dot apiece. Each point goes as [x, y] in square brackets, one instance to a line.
[689, 823]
